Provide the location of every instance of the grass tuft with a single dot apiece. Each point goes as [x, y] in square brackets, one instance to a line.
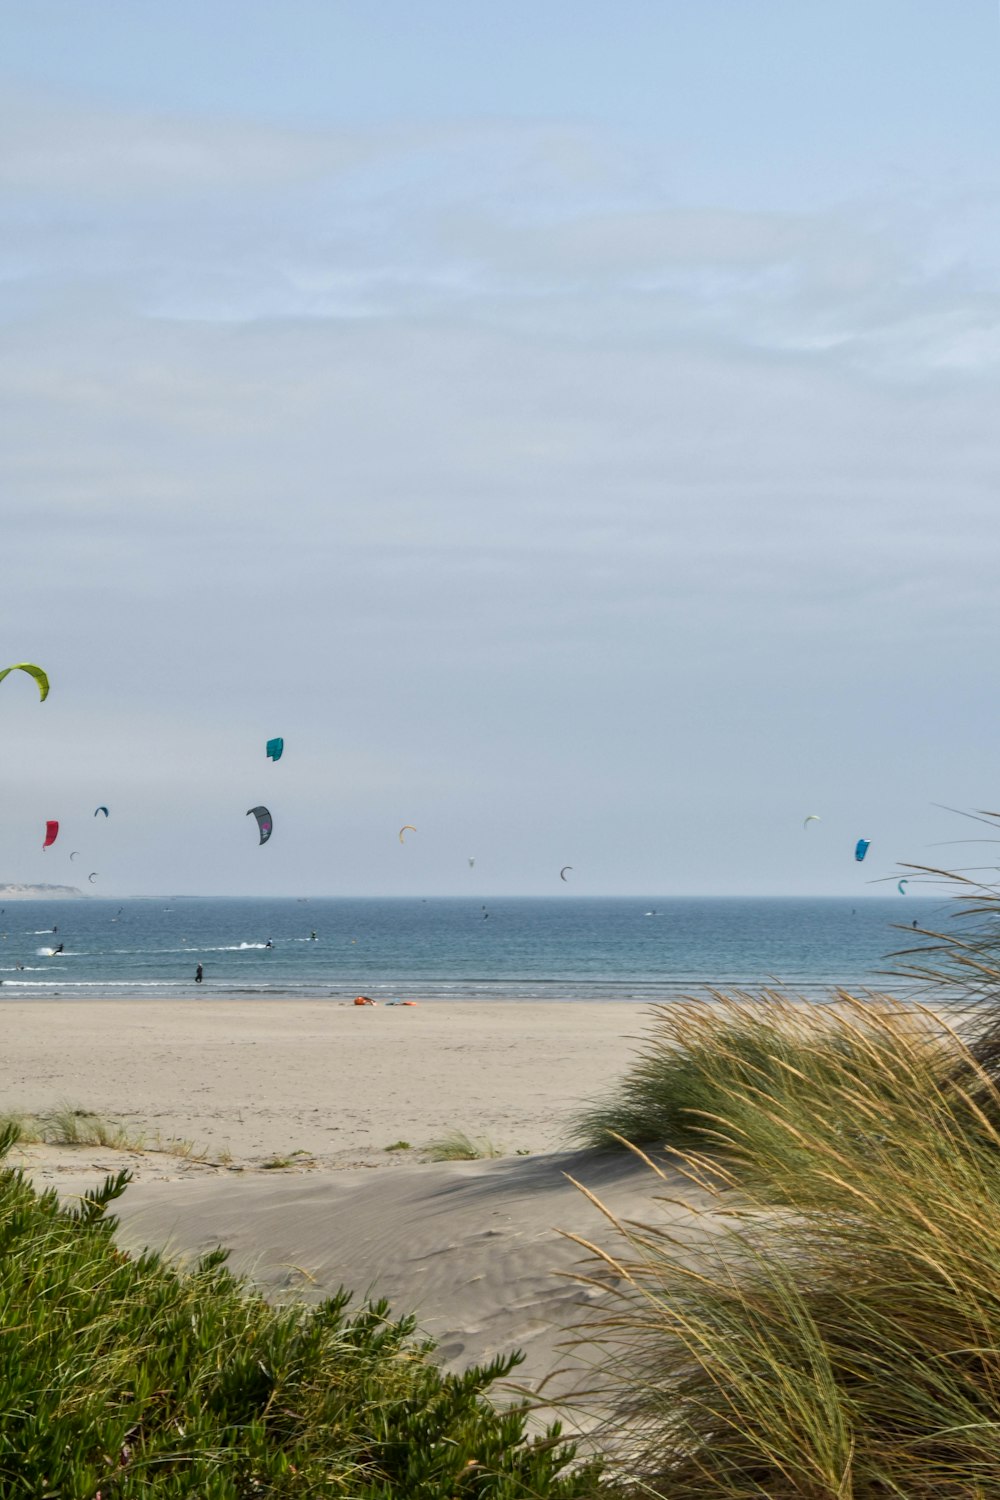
[69, 1126]
[457, 1146]
[711, 1075]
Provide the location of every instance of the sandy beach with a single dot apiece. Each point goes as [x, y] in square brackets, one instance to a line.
[287, 1110]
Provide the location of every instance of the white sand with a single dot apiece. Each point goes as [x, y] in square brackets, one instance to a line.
[264, 1078]
[470, 1247]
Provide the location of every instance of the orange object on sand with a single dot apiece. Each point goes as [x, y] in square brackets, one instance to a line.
[363, 1000]
[407, 1002]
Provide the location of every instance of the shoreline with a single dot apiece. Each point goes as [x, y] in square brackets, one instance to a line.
[385, 996]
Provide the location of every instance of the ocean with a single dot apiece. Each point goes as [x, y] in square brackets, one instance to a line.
[569, 949]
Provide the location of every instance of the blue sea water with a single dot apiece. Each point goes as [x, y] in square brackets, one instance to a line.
[571, 949]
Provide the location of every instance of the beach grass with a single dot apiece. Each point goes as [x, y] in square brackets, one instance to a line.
[66, 1125]
[125, 1378]
[710, 1076]
[835, 1334]
[69, 1125]
[958, 963]
[456, 1145]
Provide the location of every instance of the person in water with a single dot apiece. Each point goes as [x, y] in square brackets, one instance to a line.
[57, 950]
[199, 974]
[269, 944]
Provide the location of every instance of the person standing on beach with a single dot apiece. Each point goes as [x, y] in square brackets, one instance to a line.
[199, 974]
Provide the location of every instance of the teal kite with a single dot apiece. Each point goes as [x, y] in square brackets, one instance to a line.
[102, 809]
[275, 747]
[32, 671]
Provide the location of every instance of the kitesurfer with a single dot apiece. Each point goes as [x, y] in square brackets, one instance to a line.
[312, 937]
[199, 974]
[269, 944]
[57, 950]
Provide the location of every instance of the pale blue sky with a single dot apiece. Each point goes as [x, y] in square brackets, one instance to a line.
[573, 426]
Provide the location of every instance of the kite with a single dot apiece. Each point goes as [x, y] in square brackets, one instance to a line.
[812, 818]
[51, 833]
[403, 830]
[275, 747]
[102, 809]
[264, 823]
[861, 849]
[73, 853]
[32, 671]
[900, 887]
[92, 876]
[562, 872]
[471, 861]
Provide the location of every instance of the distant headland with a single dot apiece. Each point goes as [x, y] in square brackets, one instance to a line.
[37, 892]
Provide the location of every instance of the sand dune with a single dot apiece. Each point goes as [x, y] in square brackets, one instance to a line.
[471, 1248]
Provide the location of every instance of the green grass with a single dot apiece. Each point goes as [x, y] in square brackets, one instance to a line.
[457, 1146]
[837, 1335]
[126, 1378]
[68, 1126]
[710, 1076]
[298, 1158]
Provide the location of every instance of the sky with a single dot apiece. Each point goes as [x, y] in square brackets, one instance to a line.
[573, 427]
